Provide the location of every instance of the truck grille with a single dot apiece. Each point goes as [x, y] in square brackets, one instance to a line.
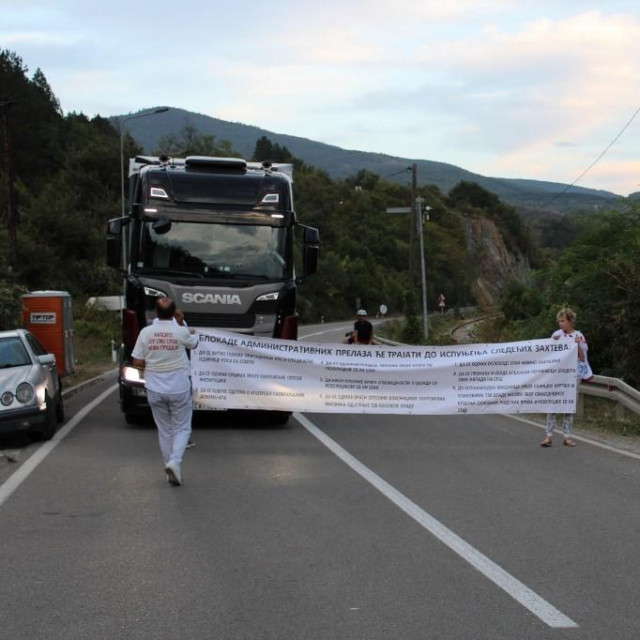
[220, 320]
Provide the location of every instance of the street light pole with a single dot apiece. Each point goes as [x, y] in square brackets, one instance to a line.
[121, 122]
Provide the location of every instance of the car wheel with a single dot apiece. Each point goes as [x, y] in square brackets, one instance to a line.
[48, 429]
[60, 408]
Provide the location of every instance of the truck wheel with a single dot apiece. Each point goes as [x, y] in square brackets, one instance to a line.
[132, 417]
[48, 429]
[277, 418]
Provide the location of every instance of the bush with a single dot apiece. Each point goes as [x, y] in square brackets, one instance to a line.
[10, 305]
[412, 331]
[97, 324]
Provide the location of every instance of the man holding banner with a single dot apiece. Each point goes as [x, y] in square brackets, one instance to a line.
[161, 351]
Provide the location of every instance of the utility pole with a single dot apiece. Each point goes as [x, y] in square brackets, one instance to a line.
[414, 217]
[423, 270]
[12, 213]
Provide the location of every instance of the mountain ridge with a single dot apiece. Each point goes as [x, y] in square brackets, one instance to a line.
[527, 195]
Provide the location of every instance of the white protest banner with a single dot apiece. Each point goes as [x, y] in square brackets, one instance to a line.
[235, 371]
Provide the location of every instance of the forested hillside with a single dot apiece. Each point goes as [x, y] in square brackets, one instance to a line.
[60, 183]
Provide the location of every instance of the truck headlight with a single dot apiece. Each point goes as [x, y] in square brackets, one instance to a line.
[267, 296]
[154, 293]
[131, 374]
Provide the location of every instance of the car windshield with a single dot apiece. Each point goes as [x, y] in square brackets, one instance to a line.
[213, 250]
[13, 353]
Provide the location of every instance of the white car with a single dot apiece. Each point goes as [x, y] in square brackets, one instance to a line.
[30, 389]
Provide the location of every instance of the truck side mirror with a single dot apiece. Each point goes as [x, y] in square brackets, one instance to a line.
[114, 241]
[311, 249]
[161, 226]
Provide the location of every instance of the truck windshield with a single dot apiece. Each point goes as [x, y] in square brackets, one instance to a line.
[210, 250]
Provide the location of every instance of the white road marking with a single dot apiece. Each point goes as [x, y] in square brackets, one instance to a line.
[332, 329]
[508, 583]
[30, 465]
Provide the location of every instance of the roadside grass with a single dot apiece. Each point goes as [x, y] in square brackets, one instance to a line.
[94, 329]
[603, 416]
[440, 326]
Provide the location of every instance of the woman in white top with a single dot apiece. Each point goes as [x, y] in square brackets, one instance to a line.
[567, 320]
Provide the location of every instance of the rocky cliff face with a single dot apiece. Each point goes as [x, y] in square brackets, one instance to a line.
[492, 263]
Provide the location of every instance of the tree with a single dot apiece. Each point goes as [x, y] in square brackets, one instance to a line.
[265, 150]
[190, 142]
[412, 332]
[10, 303]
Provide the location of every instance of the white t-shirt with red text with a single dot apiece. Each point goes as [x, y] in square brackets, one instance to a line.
[162, 346]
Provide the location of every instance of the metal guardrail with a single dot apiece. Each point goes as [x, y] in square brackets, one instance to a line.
[612, 389]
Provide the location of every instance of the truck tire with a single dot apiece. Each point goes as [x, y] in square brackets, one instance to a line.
[133, 417]
[276, 418]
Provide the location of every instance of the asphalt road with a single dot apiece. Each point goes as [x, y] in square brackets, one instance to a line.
[334, 527]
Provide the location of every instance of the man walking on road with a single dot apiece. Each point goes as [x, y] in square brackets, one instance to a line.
[161, 351]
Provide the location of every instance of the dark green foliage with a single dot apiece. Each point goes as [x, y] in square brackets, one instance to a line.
[365, 251]
[66, 174]
[559, 233]
[266, 151]
[33, 119]
[10, 304]
[598, 277]
[412, 332]
[92, 322]
[519, 301]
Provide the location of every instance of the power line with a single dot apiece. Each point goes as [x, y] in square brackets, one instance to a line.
[593, 164]
[397, 173]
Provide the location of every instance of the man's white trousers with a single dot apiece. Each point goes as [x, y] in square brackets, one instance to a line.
[172, 413]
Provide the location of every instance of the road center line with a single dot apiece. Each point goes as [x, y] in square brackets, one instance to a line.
[509, 584]
[32, 463]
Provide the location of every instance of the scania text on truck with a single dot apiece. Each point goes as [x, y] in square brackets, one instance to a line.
[217, 236]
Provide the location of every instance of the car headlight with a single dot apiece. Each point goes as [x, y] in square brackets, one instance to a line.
[25, 393]
[6, 398]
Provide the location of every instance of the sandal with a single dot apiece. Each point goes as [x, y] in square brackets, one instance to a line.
[547, 442]
[568, 442]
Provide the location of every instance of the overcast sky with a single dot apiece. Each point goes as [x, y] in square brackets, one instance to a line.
[519, 89]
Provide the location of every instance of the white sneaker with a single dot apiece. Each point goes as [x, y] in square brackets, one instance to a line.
[173, 474]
